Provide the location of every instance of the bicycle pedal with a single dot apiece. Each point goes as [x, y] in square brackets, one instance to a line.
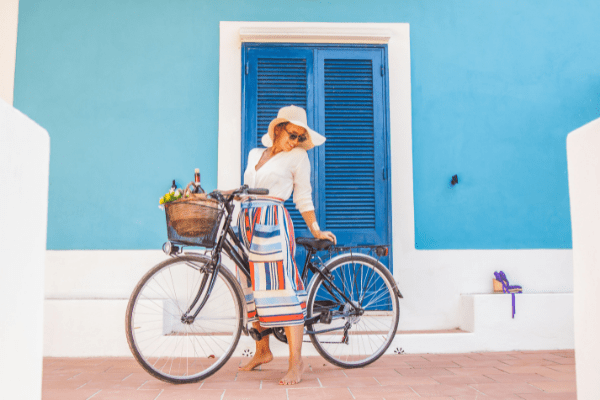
[325, 317]
[255, 334]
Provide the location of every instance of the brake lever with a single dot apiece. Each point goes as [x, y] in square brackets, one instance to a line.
[243, 190]
[215, 194]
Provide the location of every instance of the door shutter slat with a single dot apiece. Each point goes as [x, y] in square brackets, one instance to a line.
[349, 149]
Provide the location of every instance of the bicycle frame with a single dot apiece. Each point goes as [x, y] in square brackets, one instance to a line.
[232, 246]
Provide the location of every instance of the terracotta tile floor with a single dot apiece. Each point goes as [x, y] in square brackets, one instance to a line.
[529, 375]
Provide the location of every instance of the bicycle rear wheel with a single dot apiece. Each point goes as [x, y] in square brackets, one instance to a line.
[355, 338]
[170, 347]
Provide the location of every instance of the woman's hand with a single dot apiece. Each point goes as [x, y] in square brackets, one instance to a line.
[311, 221]
[325, 235]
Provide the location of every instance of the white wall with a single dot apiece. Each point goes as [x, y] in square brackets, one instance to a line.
[9, 11]
[583, 155]
[24, 161]
[80, 288]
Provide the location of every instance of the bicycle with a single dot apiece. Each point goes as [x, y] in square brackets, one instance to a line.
[186, 315]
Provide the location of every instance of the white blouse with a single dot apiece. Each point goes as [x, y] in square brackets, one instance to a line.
[283, 173]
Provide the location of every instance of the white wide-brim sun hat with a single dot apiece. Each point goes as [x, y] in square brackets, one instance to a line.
[297, 116]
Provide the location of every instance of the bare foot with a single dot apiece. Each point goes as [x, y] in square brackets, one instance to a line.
[294, 374]
[257, 360]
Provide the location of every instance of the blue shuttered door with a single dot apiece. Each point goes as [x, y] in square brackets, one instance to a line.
[343, 91]
[275, 78]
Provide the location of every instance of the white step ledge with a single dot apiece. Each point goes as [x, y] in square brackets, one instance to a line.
[543, 321]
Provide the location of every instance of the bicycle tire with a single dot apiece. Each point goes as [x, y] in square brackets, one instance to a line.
[377, 326]
[195, 344]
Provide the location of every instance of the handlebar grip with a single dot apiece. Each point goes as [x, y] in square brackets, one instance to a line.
[258, 191]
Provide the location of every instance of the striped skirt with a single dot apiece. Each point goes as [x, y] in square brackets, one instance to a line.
[275, 294]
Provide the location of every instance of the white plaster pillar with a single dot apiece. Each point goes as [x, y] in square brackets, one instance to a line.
[9, 16]
[583, 154]
[24, 169]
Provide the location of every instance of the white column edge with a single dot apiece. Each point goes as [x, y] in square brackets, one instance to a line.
[9, 20]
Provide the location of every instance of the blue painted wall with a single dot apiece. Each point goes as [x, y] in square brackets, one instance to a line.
[128, 91]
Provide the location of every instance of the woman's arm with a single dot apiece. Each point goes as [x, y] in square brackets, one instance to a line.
[311, 221]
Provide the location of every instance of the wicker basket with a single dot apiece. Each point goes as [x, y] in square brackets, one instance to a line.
[193, 221]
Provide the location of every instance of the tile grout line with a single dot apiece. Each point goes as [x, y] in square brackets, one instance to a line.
[142, 385]
[202, 384]
[415, 391]
[260, 387]
[287, 394]
[94, 394]
[377, 381]
[162, 390]
[82, 385]
[469, 385]
[507, 364]
[449, 370]
[223, 394]
[500, 371]
[529, 383]
[352, 394]
[320, 384]
[74, 376]
[126, 377]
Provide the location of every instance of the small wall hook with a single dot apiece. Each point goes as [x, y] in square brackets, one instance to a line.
[454, 180]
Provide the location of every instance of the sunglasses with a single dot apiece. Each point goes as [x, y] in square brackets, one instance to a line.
[293, 136]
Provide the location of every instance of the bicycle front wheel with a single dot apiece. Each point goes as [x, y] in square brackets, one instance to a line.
[170, 346]
[363, 326]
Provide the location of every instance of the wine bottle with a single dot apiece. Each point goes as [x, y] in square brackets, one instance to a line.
[197, 187]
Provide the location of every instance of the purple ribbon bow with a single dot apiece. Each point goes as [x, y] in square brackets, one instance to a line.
[506, 288]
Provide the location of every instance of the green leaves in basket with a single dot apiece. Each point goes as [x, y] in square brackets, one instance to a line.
[171, 196]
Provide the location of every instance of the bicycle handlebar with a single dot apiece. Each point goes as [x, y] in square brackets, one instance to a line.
[243, 190]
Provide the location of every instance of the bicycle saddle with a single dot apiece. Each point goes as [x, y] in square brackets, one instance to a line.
[314, 244]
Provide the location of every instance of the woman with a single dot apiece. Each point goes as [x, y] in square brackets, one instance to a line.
[275, 295]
